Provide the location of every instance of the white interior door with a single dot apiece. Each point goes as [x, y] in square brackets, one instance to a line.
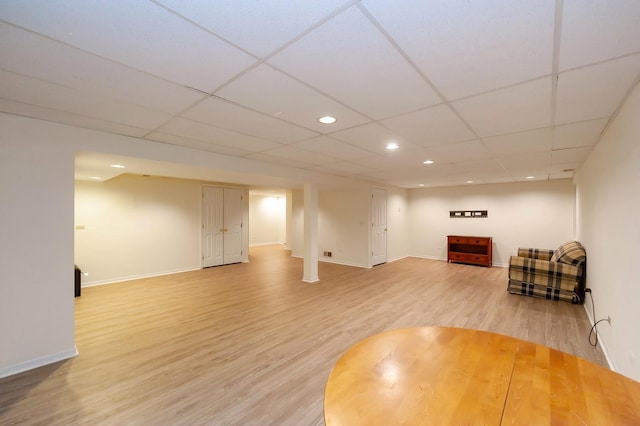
[232, 225]
[212, 226]
[378, 226]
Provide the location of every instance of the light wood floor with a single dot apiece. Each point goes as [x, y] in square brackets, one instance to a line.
[252, 344]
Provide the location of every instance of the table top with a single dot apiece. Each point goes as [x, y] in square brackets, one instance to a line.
[444, 375]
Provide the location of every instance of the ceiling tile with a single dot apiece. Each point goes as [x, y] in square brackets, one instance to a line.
[595, 91]
[334, 148]
[272, 92]
[334, 58]
[197, 144]
[594, 31]
[58, 116]
[459, 151]
[373, 138]
[430, 126]
[570, 155]
[533, 164]
[146, 37]
[344, 168]
[296, 156]
[227, 115]
[215, 135]
[259, 27]
[575, 135]
[48, 95]
[466, 48]
[520, 143]
[518, 108]
[26, 53]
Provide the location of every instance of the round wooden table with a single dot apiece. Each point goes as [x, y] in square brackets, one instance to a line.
[442, 375]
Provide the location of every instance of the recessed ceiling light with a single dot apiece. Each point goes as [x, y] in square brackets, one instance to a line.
[422, 184]
[531, 177]
[327, 119]
[469, 181]
[427, 162]
[391, 146]
[117, 166]
[95, 177]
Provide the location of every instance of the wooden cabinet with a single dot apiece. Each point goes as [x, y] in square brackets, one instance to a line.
[467, 249]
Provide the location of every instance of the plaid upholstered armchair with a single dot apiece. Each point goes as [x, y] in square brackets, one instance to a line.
[551, 274]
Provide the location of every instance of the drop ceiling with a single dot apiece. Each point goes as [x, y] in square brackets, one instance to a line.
[491, 91]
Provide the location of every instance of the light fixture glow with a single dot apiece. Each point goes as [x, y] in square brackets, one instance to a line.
[427, 162]
[391, 146]
[117, 166]
[531, 177]
[95, 177]
[421, 185]
[327, 119]
[469, 181]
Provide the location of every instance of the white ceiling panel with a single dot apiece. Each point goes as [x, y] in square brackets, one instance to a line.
[257, 26]
[467, 47]
[344, 168]
[137, 33]
[460, 151]
[430, 126]
[48, 95]
[58, 116]
[197, 144]
[274, 93]
[333, 148]
[26, 53]
[533, 164]
[338, 59]
[575, 135]
[594, 31]
[570, 155]
[518, 108]
[607, 82]
[300, 156]
[221, 137]
[372, 137]
[227, 115]
[520, 143]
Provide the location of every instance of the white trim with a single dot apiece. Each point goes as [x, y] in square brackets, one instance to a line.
[38, 362]
[607, 356]
[444, 259]
[136, 277]
[266, 244]
[327, 260]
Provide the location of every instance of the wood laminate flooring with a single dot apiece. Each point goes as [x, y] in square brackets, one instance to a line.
[251, 344]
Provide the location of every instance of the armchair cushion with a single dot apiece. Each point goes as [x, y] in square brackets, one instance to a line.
[550, 274]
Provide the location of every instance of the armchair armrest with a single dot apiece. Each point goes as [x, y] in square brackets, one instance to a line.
[534, 253]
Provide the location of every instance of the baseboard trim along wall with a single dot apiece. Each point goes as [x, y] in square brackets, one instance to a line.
[137, 277]
[38, 362]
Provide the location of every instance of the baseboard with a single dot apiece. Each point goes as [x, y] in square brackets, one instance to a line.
[137, 277]
[444, 259]
[38, 362]
[607, 356]
[266, 244]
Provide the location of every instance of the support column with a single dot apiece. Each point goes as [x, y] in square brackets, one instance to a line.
[310, 233]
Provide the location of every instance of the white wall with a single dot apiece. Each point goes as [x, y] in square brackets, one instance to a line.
[528, 214]
[343, 227]
[608, 206]
[136, 226]
[267, 220]
[36, 249]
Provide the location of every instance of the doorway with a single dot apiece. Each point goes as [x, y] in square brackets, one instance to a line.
[378, 226]
[222, 225]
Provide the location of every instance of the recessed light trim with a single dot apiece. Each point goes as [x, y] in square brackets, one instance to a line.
[427, 162]
[392, 146]
[327, 119]
[118, 166]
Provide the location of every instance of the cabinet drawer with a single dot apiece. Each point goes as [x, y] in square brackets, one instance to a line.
[478, 258]
[458, 240]
[478, 241]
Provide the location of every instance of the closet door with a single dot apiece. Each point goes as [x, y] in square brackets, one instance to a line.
[232, 225]
[212, 226]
